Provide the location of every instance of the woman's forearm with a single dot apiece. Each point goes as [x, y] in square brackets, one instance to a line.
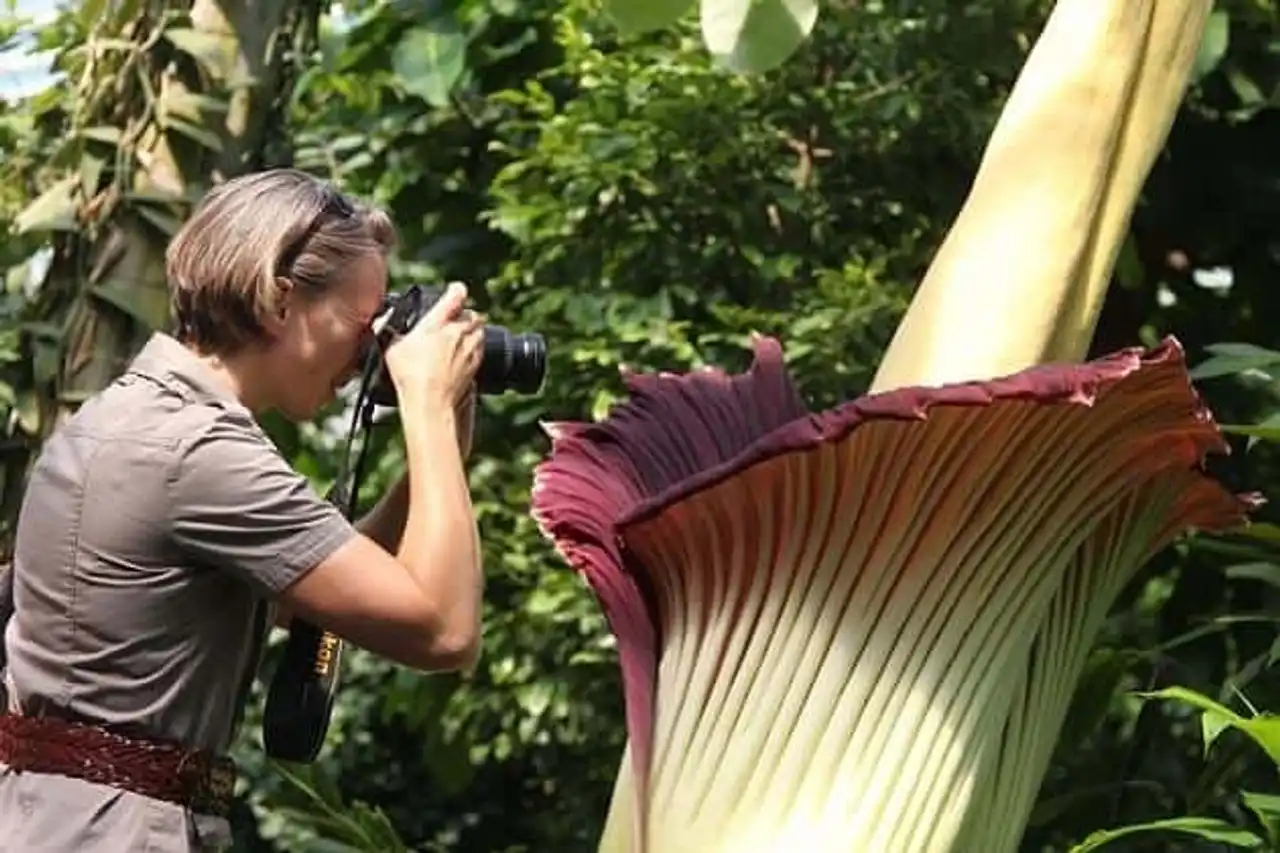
[440, 544]
[384, 523]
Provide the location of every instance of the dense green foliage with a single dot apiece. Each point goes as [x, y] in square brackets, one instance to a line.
[639, 206]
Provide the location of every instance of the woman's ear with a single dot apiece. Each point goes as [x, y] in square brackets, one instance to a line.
[277, 317]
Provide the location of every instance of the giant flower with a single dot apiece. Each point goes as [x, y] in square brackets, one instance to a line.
[837, 629]
[859, 629]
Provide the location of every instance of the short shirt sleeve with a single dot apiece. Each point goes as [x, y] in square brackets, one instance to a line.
[237, 505]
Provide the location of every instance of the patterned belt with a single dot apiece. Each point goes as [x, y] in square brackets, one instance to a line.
[161, 770]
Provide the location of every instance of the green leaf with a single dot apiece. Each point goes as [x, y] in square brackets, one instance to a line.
[633, 17]
[1263, 531]
[91, 168]
[201, 135]
[1260, 431]
[535, 698]
[430, 59]
[1213, 46]
[163, 221]
[1272, 421]
[322, 792]
[53, 210]
[101, 133]
[1210, 829]
[1233, 358]
[326, 786]
[27, 412]
[46, 359]
[379, 829]
[754, 36]
[1268, 573]
[148, 305]
[302, 777]
[91, 12]
[1266, 808]
[329, 845]
[1215, 719]
[213, 51]
[193, 105]
[1263, 730]
[103, 45]
[1251, 96]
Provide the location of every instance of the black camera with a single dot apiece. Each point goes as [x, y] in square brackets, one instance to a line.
[510, 362]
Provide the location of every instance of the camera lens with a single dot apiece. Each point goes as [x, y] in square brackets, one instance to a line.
[511, 362]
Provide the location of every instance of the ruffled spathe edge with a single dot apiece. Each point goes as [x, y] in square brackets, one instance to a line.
[682, 433]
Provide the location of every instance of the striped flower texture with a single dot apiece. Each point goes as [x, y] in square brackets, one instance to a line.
[858, 630]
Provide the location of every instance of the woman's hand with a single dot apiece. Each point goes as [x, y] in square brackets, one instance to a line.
[435, 363]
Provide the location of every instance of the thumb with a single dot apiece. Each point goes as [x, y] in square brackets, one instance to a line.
[449, 305]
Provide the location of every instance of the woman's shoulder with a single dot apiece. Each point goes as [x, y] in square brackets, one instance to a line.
[138, 409]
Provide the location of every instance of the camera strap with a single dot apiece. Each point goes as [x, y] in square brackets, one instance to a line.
[346, 486]
[299, 701]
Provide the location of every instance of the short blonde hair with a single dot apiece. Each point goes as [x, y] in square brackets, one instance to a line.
[224, 264]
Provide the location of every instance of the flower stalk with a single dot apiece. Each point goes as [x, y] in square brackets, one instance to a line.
[1021, 276]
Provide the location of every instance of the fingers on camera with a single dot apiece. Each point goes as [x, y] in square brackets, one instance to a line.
[450, 304]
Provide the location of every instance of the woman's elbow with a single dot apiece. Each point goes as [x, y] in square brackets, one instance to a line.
[452, 651]
[442, 643]
[425, 646]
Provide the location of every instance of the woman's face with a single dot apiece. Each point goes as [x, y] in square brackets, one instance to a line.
[324, 337]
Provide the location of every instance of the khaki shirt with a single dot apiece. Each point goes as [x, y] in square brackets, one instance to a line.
[157, 524]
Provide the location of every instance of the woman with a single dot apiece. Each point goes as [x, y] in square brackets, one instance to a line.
[161, 531]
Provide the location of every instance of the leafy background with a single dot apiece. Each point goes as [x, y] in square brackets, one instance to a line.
[640, 207]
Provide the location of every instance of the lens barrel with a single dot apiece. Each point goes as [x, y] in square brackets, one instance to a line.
[511, 362]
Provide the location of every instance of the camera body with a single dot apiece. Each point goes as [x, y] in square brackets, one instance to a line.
[510, 361]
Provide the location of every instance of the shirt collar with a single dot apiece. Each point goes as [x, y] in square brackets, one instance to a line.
[169, 362]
